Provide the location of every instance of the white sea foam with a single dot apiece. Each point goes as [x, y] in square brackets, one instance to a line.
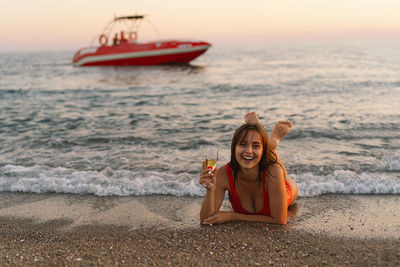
[39, 179]
[392, 162]
[346, 182]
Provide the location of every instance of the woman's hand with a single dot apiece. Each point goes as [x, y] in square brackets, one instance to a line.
[207, 178]
[251, 117]
[219, 217]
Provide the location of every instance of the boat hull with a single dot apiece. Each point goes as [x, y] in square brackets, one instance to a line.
[168, 52]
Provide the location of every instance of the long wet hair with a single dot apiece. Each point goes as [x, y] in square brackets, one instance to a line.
[268, 156]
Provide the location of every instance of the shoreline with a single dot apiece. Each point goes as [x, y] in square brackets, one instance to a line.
[164, 230]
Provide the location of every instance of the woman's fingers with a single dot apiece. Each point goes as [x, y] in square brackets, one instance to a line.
[208, 183]
[208, 174]
[214, 219]
[207, 178]
[210, 220]
[218, 217]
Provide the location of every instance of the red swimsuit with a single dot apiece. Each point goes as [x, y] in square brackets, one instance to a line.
[235, 201]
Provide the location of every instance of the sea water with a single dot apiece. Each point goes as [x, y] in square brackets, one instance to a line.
[145, 130]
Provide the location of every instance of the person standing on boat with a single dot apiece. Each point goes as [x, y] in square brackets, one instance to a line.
[115, 39]
[258, 184]
[123, 39]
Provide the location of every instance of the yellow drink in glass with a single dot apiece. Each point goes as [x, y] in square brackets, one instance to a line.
[210, 163]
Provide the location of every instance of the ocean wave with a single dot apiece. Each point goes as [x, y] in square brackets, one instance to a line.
[346, 182]
[109, 182]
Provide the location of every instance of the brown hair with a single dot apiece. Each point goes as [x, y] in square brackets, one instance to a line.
[268, 156]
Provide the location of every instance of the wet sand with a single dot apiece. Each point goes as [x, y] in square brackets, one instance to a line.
[50, 229]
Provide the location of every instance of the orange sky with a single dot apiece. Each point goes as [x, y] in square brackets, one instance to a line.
[71, 24]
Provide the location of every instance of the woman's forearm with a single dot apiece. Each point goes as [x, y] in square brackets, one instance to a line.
[208, 206]
[256, 218]
[227, 216]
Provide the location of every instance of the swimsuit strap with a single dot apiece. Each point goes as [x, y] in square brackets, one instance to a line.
[233, 195]
[231, 182]
[230, 177]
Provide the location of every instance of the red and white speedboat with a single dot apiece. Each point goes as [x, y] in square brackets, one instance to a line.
[123, 50]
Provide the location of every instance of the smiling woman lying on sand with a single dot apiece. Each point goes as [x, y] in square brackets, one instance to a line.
[259, 187]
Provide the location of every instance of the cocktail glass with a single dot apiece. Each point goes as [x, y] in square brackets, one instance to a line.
[210, 163]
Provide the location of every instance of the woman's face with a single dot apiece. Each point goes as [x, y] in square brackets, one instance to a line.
[249, 150]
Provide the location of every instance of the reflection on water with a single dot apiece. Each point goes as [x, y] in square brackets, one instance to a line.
[140, 75]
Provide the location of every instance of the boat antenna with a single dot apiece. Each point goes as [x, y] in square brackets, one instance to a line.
[154, 28]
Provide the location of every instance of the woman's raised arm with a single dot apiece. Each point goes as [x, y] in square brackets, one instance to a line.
[215, 192]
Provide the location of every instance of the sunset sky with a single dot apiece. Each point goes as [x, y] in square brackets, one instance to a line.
[71, 24]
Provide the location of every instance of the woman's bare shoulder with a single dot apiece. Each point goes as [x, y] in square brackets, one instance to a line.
[222, 169]
[275, 171]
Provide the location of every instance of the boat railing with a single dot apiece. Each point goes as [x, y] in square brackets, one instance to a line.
[131, 24]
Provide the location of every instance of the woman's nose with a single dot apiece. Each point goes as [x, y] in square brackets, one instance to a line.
[249, 149]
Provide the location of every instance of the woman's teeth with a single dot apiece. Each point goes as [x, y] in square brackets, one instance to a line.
[248, 158]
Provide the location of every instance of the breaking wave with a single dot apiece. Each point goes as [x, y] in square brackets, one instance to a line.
[109, 182]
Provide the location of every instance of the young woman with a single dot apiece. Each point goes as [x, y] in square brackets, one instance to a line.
[259, 187]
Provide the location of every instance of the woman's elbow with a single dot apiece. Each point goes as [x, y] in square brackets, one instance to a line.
[281, 221]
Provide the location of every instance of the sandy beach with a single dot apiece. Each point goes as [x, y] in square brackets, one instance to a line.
[68, 229]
